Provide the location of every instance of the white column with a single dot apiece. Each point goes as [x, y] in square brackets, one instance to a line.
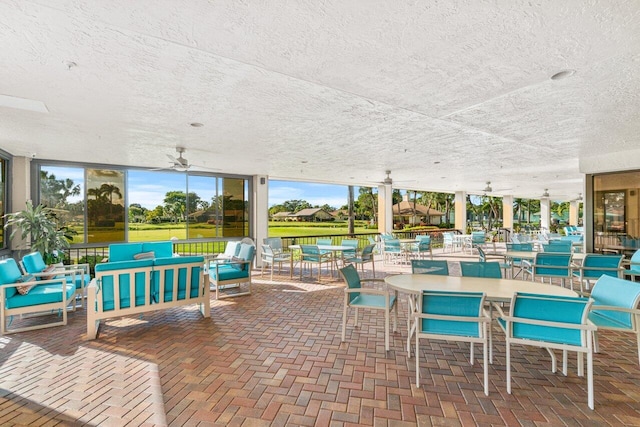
[385, 207]
[507, 212]
[460, 209]
[20, 193]
[260, 213]
[574, 212]
[545, 213]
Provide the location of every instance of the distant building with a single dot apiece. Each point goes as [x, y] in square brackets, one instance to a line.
[312, 215]
[281, 216]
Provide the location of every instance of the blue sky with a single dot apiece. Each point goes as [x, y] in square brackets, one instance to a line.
[315, 194]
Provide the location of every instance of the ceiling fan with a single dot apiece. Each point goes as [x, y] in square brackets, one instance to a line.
[489, 189]
[180, 163]
[388, 181]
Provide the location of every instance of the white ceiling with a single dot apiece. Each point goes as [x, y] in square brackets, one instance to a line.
[331, 91]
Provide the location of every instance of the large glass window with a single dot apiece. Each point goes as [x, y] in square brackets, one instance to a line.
[111, 205]
[62, 189]
[616, 210]
[105, 205]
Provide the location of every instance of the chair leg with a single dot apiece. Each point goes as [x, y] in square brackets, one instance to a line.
[417, 360]
[508, 367]
[344, 318]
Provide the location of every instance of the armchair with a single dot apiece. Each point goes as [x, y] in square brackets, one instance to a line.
[356, 297]
[550, 322]
[270, 257]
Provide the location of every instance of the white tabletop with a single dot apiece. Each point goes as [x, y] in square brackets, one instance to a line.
[494, 289]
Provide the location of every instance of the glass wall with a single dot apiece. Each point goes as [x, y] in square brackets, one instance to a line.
[616, 211]
[115, 205]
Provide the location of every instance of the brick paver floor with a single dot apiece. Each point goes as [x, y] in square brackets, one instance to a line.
[274, 358]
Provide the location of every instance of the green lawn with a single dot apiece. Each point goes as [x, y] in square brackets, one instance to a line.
[153, 232]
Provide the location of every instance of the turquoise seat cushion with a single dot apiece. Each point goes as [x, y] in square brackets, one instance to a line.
[9, 273]
[81, 280]
[33, 263]
[227, 272]
[169, 277]
[47, 293]
[123, 251]
[160, 249]
[122, 269]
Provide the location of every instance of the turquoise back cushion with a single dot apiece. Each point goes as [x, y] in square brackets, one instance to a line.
[123, 251]
[455, 304]
[550, 308]
[9, 273]
[33, 262]
[160, 249]
[615, 292]
[182, 264]
[121, 272]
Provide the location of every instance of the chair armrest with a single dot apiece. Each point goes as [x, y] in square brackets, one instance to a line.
[579, 326]
[484, 319]
[366, 291]
[615, 308]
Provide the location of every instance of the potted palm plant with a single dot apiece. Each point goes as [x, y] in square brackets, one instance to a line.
[38, 225]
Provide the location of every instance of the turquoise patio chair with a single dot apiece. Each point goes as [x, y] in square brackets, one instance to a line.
[615, 307]
[392, 251]
[634, 266]
[422, 246]
[557, 246]
[427, 266]
[550, 322]
[482, 257]
[481, 269]
[447, 241]
[478, 239]
[352, 243]
[596, 265]
[518, 263]
[77, 274]
[453, 316]
[270, 258]
[366, 256]
[356, 296]
[275, 243]
[310, 254]
[552, 266]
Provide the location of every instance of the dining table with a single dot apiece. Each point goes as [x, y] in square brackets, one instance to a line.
[495, 290]
[334, 249]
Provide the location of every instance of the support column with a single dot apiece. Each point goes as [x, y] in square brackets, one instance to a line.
[545, 213]
[385, 207]
[260, 213]
[20, 193]
[574, 212]
[460, 209]
[507, 212]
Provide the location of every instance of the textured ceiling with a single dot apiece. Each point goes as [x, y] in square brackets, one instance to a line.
[447, 95]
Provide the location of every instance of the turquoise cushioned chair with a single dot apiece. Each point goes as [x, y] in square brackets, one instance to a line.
[550, 322]
[552, 266]
[366, 256]
[47, 295]
[357, 297]
[596, 265]
[427, 266]
[615, 307]
[310, 254]
[481, 269]
[77, 274]
[453, 316]
[232, 273]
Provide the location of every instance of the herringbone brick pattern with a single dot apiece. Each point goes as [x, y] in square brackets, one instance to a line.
[275, 358]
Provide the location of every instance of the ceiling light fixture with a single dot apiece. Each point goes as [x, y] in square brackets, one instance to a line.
[546, 193]
[196, 124]
[579, 198]
[563, 74]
